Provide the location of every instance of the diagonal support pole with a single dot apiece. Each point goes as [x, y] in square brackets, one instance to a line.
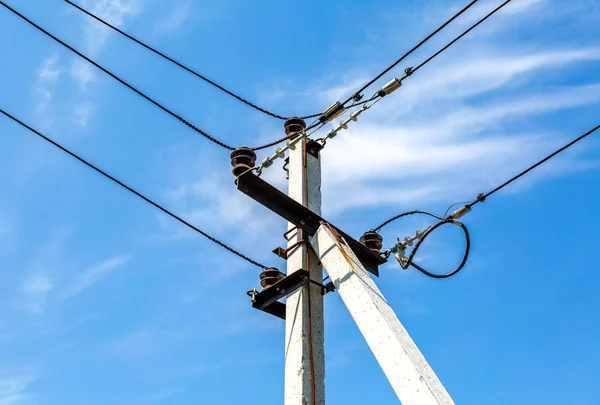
[411, 377]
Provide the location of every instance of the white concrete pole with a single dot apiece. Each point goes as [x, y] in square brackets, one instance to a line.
[304, 338]
[411, 377]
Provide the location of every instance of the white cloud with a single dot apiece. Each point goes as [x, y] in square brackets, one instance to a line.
[47, 77]
[161, 395]
[82, 72]
[441, 141]
[484, 73]
[36, 288]
[180, 12]
[512, 10]
[462, 151]
[82, 113]
[94, 274]
[139, 343]
[113, 11]
[14, 386]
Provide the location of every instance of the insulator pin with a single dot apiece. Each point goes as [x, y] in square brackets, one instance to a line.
[372, 240]
[242, 160]
[270, 276]
[294, 125]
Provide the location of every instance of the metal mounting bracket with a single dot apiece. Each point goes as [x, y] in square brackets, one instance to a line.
[268, 299]
[294, 212]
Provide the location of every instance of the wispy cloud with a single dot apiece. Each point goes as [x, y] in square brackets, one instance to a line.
[82, 113]
[42, 273]
[439, 142]
[14, 387]
[160, 396]
[94, 274]
[82, 72]
[46, 79]
[36, 287]
[180, 12]
[140, 343]
[113, 11]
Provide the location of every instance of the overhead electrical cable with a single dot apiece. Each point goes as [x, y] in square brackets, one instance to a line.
[338, 108]
[471, 28]
[357, 95]
[179, 64]
[131, 190]
[131, 87]
[404, 214]
[483, 196]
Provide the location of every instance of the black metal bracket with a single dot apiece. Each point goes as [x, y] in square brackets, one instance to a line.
[294, 212]
[268, 299]
[313, 148]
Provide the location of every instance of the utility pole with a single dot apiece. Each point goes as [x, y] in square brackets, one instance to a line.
[304, 331]
[348, 263]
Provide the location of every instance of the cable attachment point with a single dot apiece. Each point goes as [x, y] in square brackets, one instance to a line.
[408, 71]
[294, 126]
[390, 87]
[332, 112]
[357, 97]
[372, 240]
[242, 159]
[399, 249]
[270, 276]
[461, 212]
[481, 197]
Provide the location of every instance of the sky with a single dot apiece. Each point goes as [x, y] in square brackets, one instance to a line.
[104, 300]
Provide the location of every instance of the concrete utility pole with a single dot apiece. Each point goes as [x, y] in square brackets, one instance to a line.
[348, 263]
[411, 377]
[304, 337]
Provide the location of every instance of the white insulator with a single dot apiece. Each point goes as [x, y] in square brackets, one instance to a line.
[266, 163]
[279, 153]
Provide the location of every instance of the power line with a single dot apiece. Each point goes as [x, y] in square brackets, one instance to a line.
[131, 190]
[179, 64]
[482, 197]
[494, 11]
[396, 83]
[129, 86]
[405, 214]
[356, 96]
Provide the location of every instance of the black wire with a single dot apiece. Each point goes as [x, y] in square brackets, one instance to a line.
[409, 52]
[461, 35]
[483, 197]
[179, 64]
[123, 82]
[428, 232]
[404, 214]
[129, 86]
[126, 187]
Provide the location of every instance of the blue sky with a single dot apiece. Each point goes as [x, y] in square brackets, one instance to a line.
[103, 300]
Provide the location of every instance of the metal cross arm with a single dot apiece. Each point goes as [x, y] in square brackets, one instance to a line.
[299, 215]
